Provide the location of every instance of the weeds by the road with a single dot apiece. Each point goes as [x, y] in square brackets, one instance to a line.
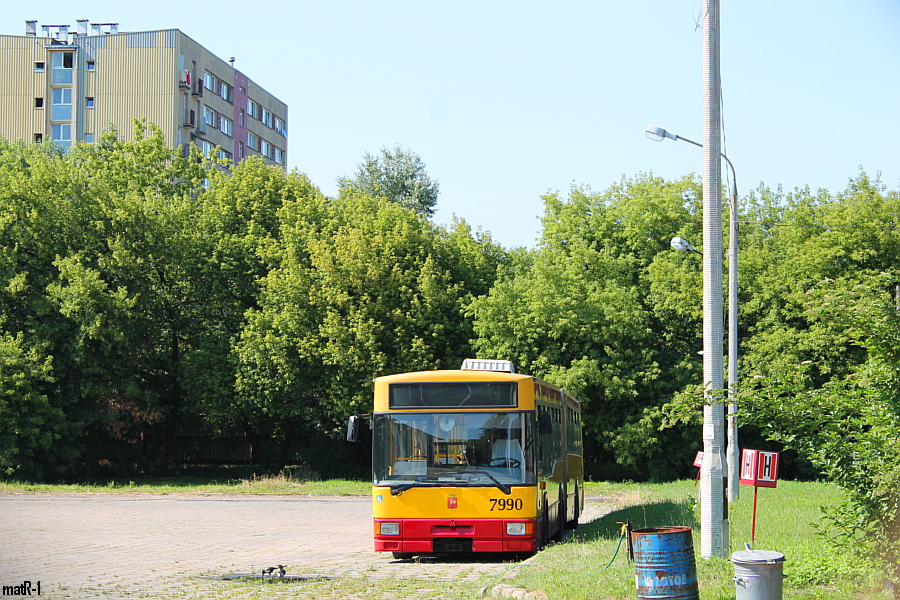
[254, 484]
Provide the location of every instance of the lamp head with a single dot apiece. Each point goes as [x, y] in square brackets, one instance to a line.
[658, 134]
[682, 245]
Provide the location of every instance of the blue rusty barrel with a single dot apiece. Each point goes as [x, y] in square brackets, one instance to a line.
[664, 563]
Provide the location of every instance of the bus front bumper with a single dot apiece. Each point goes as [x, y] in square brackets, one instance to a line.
[426, 536]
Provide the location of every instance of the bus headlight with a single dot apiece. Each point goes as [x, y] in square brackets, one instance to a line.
[516, 528]
[390, 529]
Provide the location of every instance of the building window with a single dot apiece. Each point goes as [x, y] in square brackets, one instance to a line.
[89, 138]
[265, 148]
[209, 116]
[209, 81]
[253, 109]
[279, 156]
[267, 118]
[226, 91]
[224, 154]
[62, 67]
[279, 126]
[61, 109]
[38, 138]
[242, 89]
[241, 150]
[89, 102]
[241, 117]
[225, 125]
[252, 141]
[39, 103]
[205, 147]
[62, 135]
[89, 65]
[39, 68]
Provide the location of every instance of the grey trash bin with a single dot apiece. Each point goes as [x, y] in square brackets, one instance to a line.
[758, 575]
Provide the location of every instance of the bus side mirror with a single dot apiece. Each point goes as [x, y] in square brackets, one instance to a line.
[545, 424]
[353, 428]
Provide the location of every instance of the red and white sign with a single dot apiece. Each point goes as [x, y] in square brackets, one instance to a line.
[759, 468]
[698, 460]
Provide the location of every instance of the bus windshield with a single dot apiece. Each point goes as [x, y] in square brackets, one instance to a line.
[453, 448]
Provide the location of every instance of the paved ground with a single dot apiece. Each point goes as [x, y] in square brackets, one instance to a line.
[116, 545]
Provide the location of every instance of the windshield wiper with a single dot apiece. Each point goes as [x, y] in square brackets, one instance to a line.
[396, 490]
[503, 487]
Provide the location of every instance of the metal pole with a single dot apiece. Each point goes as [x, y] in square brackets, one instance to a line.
[713, 524]
[753, 526]
[733, 452]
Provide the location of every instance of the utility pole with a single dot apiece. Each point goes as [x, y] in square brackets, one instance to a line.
[713, 509]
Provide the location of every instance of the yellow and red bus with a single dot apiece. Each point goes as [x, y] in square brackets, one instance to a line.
[479, 459]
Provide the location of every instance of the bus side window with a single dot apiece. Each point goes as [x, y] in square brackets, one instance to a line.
[545, 428]
[545, 424]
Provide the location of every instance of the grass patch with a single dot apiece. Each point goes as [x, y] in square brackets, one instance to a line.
[256, 484]
[786, 519]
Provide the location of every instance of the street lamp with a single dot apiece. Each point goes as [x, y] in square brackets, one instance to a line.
[732, 453]
[682, 245]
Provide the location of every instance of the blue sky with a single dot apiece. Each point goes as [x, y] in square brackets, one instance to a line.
[505, 101]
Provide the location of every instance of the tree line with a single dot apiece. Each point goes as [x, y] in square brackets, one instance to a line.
[146, 296]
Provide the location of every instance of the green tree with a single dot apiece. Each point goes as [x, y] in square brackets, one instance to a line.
[585, 311]
[398, 175]
[244, 208]
[820, 370]
[143, 294]
[30, 424]
[43, 206]
[847, 427]
[364, 287]
[120, 266]
[789, 244]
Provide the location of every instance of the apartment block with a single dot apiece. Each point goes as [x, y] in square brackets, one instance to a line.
[67, 86]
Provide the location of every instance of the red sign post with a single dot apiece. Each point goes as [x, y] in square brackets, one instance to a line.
[759, 469]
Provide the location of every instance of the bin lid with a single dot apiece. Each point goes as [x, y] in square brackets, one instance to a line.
[757, 556]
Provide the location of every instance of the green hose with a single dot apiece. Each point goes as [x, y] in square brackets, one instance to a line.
[619, 545]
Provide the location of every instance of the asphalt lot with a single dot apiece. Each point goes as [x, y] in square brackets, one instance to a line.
[126, 546]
